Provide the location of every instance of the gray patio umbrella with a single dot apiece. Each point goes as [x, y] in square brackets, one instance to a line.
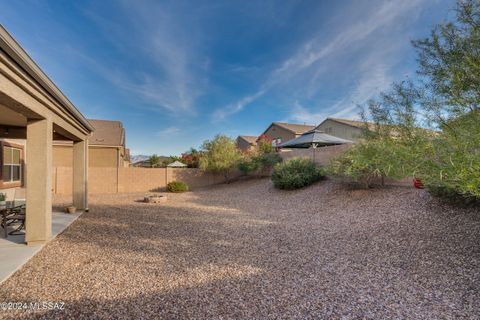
[313, 138]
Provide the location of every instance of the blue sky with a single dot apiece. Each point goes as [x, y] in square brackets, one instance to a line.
[179, 72]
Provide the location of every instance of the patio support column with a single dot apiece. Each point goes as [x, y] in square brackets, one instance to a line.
[38, 224]
[80, 174]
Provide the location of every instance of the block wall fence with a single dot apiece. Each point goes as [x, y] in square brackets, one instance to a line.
[119, 180]
[124, 180]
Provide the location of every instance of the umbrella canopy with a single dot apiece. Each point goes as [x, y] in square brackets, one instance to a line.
[177, 164]
[313, 137]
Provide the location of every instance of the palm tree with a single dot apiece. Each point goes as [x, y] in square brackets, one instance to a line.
[154, 160]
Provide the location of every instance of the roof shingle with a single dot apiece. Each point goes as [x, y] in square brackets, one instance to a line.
[250, 139]
[295, 127]
[107, 133]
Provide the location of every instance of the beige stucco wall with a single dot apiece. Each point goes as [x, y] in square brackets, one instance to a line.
[275, 132]
[62, 156]
[244, 145]
[340, 130]
[97, 156]
[322, 155]
[133, 179]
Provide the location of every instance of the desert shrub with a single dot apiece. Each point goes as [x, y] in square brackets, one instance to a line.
[191, 158]
[452, 169]
[248, 165]
[446, 98]
[370, 161]
[296, 173]
[258, 162]
[220, 155]
[177, 186]
[264, 144]
[268, 160]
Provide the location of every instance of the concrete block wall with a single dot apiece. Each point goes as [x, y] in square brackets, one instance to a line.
[132, 179]
[321, 155]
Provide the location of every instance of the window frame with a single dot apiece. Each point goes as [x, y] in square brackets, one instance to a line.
[14, 183]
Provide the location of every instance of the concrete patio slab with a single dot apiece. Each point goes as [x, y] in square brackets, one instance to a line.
[14, 253]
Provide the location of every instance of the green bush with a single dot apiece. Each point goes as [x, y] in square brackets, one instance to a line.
[177, 186]
[255, 163]
[296, 173]
[220, 155]
[248, 165]
[267, 160]
[371, 161]
[452, 167]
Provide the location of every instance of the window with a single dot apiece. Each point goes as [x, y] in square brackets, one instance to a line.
[12, 164]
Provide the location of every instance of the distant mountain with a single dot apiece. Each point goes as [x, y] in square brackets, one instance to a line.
[138, 158]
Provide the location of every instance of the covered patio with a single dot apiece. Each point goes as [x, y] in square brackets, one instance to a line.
[34, 112]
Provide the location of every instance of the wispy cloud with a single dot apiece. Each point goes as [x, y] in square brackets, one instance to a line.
[170, 69]
[167, 132]
[222, 113]
[310, 63]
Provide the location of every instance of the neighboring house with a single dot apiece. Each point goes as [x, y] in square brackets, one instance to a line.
[343, 128]
[106, 147]
[246, 143]
[280, 132]
[33, 113]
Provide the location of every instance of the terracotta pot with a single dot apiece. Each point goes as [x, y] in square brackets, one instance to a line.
[70, 209]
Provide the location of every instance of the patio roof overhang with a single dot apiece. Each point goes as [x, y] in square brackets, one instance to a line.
[33, 108]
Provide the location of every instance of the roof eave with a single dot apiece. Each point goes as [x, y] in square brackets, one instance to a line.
[21, 57]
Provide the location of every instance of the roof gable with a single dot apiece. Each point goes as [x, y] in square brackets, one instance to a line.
[249, 139]
[295, 128]
[107, 133]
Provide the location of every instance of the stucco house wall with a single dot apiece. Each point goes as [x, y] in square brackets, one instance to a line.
[340, 130]
[276, 132]
[242, 144]
[97, 157]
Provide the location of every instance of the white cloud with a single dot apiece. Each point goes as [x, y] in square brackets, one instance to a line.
[221, 114]
[170, 69]
[310, 62]
[167, 132]
[303, 115]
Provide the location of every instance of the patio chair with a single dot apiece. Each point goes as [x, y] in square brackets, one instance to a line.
[15, 216]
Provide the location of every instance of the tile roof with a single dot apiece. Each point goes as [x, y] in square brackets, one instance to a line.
[353, 123]
[249, 139]
[371, 126]
[295, 127]
[107, 133]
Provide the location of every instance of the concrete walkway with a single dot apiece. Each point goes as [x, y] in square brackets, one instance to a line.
[14, 253]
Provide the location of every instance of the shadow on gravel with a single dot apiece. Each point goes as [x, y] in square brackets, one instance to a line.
[247, 250]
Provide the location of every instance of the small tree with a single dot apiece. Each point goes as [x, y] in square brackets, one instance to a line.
[191, 158]
[264, 144]
[220, 155]
[447, 98]
[154, 160]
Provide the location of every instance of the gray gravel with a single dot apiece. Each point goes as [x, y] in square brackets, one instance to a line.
[246, 250]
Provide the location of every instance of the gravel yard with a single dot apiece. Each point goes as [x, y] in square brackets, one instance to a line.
[246, 250]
